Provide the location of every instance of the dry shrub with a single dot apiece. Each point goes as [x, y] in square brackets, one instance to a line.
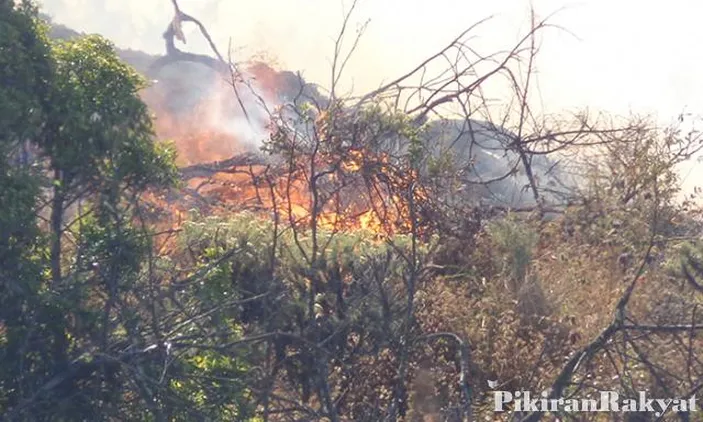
[580, 281]
[503, 347]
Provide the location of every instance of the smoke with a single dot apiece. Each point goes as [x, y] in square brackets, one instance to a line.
[248, 125]
[200, 111]
[193, 105]
[603, 62]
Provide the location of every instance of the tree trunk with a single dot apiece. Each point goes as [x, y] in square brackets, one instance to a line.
[56, 222]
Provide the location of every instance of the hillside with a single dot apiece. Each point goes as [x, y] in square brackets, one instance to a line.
[331, 259]
[184, 86]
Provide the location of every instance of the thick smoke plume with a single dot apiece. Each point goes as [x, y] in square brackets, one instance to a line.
[198, 109]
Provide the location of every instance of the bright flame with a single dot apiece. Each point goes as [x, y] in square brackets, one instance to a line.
[213, 131]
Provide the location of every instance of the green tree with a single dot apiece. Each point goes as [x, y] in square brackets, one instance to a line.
[98, 134]
[25, 71]
[74, 133]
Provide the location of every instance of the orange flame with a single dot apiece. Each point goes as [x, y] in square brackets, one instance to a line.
[285, 195]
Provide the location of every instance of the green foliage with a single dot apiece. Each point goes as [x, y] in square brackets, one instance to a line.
[249, 240]
[98, 126]
[223, 399]
[234, 260]
[75, 105]
[631, 187]
[239, 312]
[26, 72]
[514, 245]
[685, 261]
[110, 243]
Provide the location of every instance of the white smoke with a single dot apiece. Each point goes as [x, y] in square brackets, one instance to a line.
[248, 126]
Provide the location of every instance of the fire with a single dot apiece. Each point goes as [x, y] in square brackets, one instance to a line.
[203, 136]
[287, 198]
[353, 163]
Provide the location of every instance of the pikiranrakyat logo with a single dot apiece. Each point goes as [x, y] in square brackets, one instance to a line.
[608, 401]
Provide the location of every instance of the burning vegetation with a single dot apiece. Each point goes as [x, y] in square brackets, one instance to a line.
[301, 171]
[318, 257]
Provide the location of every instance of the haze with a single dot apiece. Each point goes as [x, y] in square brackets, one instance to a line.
[620, 57]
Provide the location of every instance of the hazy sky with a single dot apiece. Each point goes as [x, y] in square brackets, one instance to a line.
[618, 56]
[629, 54]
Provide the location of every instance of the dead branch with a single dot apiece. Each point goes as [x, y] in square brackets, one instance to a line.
[173, 54]
[587, 353]
[210, 169]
